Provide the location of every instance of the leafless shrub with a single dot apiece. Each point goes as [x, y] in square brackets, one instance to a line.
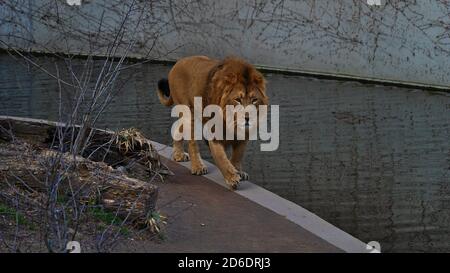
[63, 206]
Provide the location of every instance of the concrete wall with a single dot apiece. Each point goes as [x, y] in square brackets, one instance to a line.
[401, 40]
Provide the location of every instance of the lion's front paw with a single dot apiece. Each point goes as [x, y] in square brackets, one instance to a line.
[180, 157]
[233, 180]
[244, 176]
[199, 169]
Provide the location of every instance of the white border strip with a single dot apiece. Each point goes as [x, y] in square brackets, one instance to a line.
[281, 206]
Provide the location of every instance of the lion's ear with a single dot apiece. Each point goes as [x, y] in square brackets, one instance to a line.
[258, 79]
[230, 78]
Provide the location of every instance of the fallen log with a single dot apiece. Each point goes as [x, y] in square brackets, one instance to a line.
[114, 170]
[127, 148]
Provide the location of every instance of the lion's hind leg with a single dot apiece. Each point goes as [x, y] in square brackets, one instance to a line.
[178, 153]
[197, 165]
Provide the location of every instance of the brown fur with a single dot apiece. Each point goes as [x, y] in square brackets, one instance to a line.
[231, 81]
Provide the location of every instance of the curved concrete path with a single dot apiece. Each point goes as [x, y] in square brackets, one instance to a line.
[208, 217]
[205, 217]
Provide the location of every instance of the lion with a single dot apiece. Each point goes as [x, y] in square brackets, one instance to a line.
[231, 81]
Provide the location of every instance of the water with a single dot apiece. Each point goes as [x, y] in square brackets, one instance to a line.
[372, 160]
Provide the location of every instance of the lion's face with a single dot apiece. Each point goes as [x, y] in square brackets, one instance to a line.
[239, 83]
[244, 96]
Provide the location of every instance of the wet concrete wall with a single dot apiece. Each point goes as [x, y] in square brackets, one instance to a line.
[401, 40]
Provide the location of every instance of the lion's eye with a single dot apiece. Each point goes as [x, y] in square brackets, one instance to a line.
[238, 100]
[254, 101]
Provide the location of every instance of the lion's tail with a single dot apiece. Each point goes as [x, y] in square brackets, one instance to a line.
[164, 92]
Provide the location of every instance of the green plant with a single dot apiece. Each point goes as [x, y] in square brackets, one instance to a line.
[107, 218]
[156, 221]
[104, 216]
[13, 214]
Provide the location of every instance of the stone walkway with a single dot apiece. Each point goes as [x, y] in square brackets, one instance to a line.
[206, 217]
